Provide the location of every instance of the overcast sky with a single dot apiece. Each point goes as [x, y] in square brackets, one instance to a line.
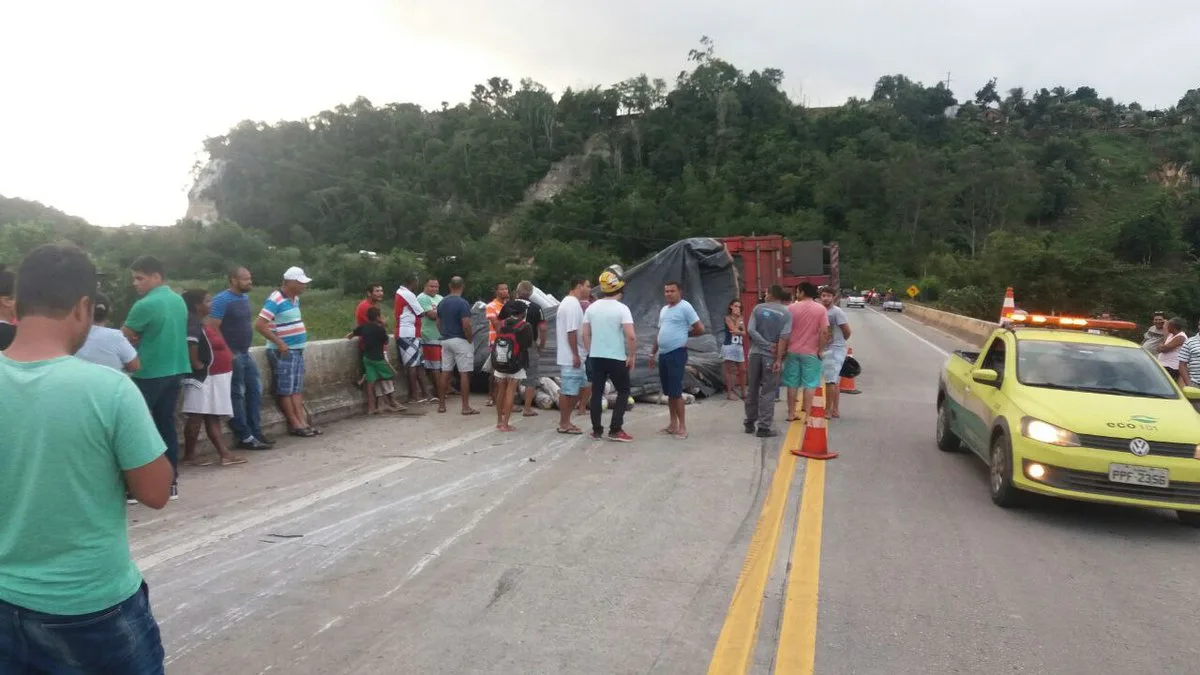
[105, 104]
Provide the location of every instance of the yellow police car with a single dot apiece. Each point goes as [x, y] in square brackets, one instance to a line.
[1056, 406]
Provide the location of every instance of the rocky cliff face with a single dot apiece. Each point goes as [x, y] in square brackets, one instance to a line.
[202, 205]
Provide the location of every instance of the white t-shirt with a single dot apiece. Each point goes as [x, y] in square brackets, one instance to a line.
[107, 347]
[1171, 359]
[608, 318]
[569, 317]
[406, 321]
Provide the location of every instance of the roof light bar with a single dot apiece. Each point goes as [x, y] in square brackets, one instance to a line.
[1021, 318]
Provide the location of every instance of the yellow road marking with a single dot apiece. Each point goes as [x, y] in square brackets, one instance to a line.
[797, 647]
[739, 634]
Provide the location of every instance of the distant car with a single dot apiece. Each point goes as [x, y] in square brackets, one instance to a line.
[893, 306]
[856, 301]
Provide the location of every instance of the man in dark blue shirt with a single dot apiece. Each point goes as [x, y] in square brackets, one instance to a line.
[231, 314]
[454, 320]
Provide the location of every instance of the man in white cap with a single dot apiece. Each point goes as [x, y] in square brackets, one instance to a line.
[280, 323]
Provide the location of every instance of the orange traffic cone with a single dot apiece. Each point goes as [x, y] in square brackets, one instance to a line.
[1009, 305]
[846, 384]
[816, 441]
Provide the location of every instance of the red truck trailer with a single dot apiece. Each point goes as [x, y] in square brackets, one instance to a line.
[765, 260]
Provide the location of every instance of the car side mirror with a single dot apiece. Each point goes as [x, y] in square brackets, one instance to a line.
[1191, 393]
[985, 376]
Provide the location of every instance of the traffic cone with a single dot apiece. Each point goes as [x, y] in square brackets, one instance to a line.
[816, 439]
[846, 384]
[1009, 305]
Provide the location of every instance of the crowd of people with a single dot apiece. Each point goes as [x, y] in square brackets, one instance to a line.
[1167, 340]
[797, 340]
[595, 345]
[93, 425]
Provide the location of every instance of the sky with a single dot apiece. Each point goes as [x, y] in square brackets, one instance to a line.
[105, 105]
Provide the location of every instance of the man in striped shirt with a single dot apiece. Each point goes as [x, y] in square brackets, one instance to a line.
[1189, 361]
[280, 323]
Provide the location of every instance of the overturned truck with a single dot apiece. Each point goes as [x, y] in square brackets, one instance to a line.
[706, 273]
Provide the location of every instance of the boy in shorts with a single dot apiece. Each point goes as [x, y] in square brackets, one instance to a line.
[375, 366]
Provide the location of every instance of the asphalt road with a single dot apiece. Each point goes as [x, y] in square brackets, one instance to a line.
[528, 552]
[431, 544]
[921, 573]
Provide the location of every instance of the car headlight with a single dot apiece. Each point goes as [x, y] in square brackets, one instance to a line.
[1044, 432]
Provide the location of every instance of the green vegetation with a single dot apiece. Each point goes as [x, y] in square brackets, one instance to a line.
[328, 314]
[1081, 203]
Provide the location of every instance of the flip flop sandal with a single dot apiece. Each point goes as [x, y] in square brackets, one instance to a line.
[197, 462]
[470, 411]
[531, 413]
[233, 462]
[306, 432]
[574, 431]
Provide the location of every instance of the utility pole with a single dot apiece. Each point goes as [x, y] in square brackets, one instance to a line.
[947, 80]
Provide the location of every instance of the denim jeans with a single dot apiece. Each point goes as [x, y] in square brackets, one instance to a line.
[246, 396]
[162, 397]
[120, 640]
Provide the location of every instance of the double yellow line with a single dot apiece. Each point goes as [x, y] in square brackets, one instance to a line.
[796, 649]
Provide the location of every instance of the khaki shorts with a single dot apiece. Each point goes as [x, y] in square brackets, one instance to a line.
[457, 353]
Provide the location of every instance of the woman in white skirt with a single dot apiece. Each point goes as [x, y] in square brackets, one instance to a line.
[732, 352]
[206, 391]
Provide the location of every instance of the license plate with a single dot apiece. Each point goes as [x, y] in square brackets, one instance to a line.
[1138, 475]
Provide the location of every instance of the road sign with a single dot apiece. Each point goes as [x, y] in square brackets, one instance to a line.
[913, 291]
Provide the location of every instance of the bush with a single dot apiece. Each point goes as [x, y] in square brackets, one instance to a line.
[971, 301]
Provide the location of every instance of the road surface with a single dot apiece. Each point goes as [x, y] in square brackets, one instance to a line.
[431, 544]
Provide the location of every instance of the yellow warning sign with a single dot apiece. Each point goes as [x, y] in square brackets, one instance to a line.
[913, 291]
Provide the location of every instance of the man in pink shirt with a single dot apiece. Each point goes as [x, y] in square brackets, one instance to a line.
[810, 323]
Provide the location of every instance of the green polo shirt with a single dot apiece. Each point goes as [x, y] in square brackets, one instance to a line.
[69, 436]
[160, 320]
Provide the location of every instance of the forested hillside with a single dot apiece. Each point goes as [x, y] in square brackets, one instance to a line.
[1080, 202]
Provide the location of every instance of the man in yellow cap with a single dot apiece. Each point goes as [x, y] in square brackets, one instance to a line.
[611, 345]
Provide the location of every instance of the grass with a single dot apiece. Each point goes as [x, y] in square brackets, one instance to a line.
[328, 314]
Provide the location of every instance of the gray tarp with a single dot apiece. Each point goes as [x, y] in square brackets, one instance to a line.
[704, 269]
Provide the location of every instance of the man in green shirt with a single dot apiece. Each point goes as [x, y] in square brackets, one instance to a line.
[157, 326]
[431, 337]
[77, 438]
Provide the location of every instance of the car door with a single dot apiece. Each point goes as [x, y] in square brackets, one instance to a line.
[983, 402]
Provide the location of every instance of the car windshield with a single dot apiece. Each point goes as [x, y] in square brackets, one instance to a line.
[1103, 369]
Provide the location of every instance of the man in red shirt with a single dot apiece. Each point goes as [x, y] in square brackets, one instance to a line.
[373, 298]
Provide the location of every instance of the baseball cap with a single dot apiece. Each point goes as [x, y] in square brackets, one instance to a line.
[296, 274]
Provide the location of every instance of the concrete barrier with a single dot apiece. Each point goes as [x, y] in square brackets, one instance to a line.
[965, 328]
[331, 392]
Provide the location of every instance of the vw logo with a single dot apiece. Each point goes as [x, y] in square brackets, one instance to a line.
[1139, 447]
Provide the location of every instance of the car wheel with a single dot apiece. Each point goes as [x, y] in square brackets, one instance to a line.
[1189, 518]
[947, 441]
[1000, 472]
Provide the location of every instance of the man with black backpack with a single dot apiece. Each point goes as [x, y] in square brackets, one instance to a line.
[510, 358]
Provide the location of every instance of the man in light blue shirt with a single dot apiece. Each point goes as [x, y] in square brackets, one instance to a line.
[677, 321]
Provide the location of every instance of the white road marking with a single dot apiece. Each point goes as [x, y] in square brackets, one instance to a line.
[287, 508]
[897, 324]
